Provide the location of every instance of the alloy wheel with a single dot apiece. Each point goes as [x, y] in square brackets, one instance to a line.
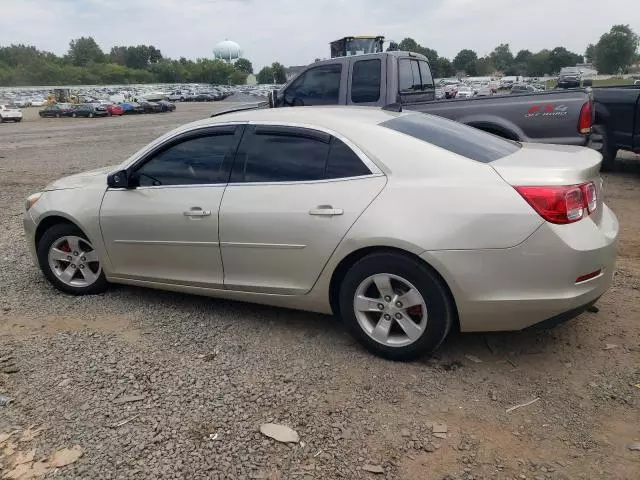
[390, 310]
[74, 261]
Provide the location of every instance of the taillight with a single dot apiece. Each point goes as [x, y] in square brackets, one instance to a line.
[586, 115]
[561, 204]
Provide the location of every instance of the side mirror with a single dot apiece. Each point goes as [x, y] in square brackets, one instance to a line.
[118, 179]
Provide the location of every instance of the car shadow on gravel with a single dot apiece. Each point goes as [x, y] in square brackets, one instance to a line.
[237, 318]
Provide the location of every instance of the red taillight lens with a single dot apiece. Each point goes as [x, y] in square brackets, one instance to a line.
[561, 204]
[585, 119]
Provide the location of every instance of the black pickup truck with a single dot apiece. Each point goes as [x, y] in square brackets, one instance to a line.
[381, 79]
[618, 120]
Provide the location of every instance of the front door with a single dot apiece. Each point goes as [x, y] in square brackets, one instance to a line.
[293, 195]
[166, 228]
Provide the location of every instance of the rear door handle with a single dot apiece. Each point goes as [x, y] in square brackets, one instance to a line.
[327, 210]
[197, 212]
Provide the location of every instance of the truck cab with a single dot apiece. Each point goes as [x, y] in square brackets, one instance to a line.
[375, 79]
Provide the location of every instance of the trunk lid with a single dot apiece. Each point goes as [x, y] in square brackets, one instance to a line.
[540, 164]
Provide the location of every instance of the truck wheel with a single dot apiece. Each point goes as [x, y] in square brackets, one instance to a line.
[609, 151]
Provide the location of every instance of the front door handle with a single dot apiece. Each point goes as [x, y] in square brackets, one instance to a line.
[327, 210]
[197, 212]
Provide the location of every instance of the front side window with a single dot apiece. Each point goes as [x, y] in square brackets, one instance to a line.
[317, 86]
[195, 161]
[365, 81]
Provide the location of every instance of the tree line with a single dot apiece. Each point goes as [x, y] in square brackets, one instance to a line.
[614, 53]
[86, 64]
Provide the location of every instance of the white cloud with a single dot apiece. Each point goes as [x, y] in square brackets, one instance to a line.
[295, 32]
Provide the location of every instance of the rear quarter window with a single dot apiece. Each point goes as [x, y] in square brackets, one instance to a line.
[454, 137]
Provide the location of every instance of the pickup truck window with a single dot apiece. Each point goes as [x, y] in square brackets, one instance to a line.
[316, 86]
[365, 81]
[425, 75]
[409, 76]
[453, 136]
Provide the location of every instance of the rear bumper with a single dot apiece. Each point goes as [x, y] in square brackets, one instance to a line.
[514, 288]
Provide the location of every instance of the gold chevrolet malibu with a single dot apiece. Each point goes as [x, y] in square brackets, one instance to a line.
[403, 224]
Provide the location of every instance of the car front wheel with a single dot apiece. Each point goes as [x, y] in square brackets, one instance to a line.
[69, 261]
[397, 307]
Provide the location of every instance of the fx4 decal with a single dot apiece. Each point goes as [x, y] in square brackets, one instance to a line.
[548, 110]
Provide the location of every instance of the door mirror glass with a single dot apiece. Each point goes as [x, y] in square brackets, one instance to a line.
[118, 179]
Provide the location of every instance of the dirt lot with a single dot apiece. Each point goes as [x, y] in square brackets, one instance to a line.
[204, 374]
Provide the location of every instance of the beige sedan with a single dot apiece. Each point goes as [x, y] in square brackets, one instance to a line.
[405, 225]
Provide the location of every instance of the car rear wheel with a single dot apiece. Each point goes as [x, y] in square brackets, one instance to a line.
[57, 115]
[69, 261]
[90, 114]
[395, 306]
[74, 115]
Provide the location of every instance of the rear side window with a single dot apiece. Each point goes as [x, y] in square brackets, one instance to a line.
[365, 82]
[453, 136]
[343, 162]
[278, 157]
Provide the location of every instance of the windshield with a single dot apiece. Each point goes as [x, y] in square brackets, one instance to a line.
[453, 136]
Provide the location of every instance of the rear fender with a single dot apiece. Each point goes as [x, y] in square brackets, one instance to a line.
[496, 125]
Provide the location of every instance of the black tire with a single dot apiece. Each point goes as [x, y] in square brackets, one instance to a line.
[52, 235]
[440, 308]
[90, 114]
[57, 115]
[18, 120]
[74, 115]
[609, 151]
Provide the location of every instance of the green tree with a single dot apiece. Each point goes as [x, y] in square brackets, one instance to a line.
[445, 68]
[279, 73]
[244, 65]
[501, 57]
[465, 61]
[590, 53]
[484, 67]
[538, 64]
[616, 50]
[560, 57]
[265, 75]
[84, 50]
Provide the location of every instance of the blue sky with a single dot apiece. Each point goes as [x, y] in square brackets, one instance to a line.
[297, 31]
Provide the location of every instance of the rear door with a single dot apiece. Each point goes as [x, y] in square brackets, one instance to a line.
[293, 195]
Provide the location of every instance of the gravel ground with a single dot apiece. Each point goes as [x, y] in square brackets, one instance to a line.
[153, 385]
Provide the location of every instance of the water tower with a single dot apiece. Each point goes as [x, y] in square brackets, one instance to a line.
[227, 51]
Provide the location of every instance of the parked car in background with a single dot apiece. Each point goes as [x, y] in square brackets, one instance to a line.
[522, 88]
[131, 107]
[167, 106]
[89, 110]
[617, 120]
[464, 92]
[569, 77]
[114, 109]
[56, 110]
[10, 112]
[294, 214]
[37, 102]
[450, 90]
[150, 107]
[484, 92]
